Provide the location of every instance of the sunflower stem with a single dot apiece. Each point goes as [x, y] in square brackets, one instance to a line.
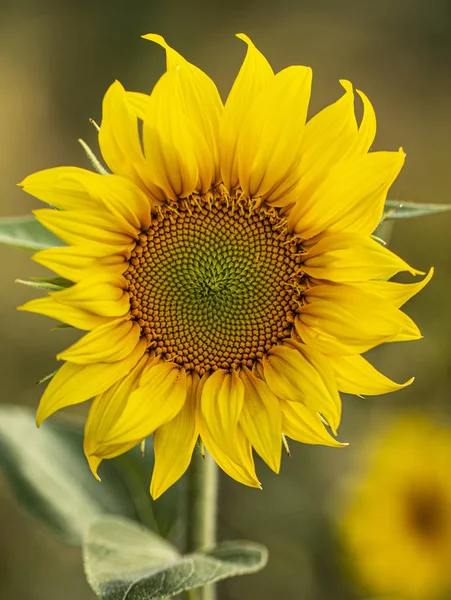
[201, 517]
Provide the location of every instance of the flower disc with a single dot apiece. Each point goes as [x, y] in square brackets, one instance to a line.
[215, 284]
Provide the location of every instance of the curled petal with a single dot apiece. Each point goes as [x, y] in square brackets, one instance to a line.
[261, 419]
[105, 409]
[102, 295]
[305, 426]
[72, 315]
[76, 383]
[355, 375]
[221, 404]
[396, 293]
[347, 257]
[120, 144]
[254, 76]
[350, 199]
[301, 374]
[159, 397]
[174, 443]
[241, 467]
[345, 320]
[107, 343]
[268, 148]
[199, 97]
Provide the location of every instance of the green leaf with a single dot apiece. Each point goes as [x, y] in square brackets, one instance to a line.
[49, 475]
[26, 233]
[395, 209]
[124, 561]
[52, 284]
[384, 232]
[61, 282]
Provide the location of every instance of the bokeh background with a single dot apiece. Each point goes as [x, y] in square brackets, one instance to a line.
[56, 60]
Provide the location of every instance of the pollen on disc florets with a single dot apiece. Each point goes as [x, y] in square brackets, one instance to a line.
[214, 282]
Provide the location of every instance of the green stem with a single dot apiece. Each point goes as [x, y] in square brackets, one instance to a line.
[201, 517]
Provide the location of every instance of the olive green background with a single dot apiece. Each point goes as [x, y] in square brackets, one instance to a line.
[57, 58]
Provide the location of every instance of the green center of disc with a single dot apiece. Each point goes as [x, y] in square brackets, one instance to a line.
[214, 285]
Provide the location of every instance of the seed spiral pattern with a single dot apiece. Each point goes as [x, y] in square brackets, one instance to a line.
[215, 284]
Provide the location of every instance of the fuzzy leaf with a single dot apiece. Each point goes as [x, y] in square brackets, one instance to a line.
[124, 561]
[49, 475]
[26, 233]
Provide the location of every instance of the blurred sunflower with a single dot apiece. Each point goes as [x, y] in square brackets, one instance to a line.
[398, 526]
[225, 270]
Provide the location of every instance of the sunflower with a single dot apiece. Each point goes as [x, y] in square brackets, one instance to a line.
[224, 270]
[397, 529]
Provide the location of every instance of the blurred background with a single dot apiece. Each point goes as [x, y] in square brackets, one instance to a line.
[56, 61]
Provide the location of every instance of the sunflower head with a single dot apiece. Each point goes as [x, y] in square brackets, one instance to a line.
[223, 269]
[397, 529]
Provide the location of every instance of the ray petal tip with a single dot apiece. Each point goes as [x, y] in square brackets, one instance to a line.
[94, 462]
[245, 38]
[346, 84]
[155, 37]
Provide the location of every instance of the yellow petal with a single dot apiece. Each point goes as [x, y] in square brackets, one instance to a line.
[343, 319]
[73, 261]
[300, 374]
[220, 405]
[74, 189]
[139, 103]
[77, 227]
[119, 141]
[350, 199]
[253, 77]
[305, 426]
[174, 443]
[269, 143]
[103, 295]
[326, 138]
[123, 199]
[242, 471]
[199, 98]
[107, 343]
[72, 315]
[76, 383]
[63, 187]
[261, 419]
[396, 293]
[158, 399]
[106, 267]
[355, 375]
[106, 409]
[177, 156]
[347, 257]
[367, 129]
[329, 132]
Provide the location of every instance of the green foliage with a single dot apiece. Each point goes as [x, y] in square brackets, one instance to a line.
[50, 477]
[395, 209]
[124, 561]
[26, 233]
[52, 284]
